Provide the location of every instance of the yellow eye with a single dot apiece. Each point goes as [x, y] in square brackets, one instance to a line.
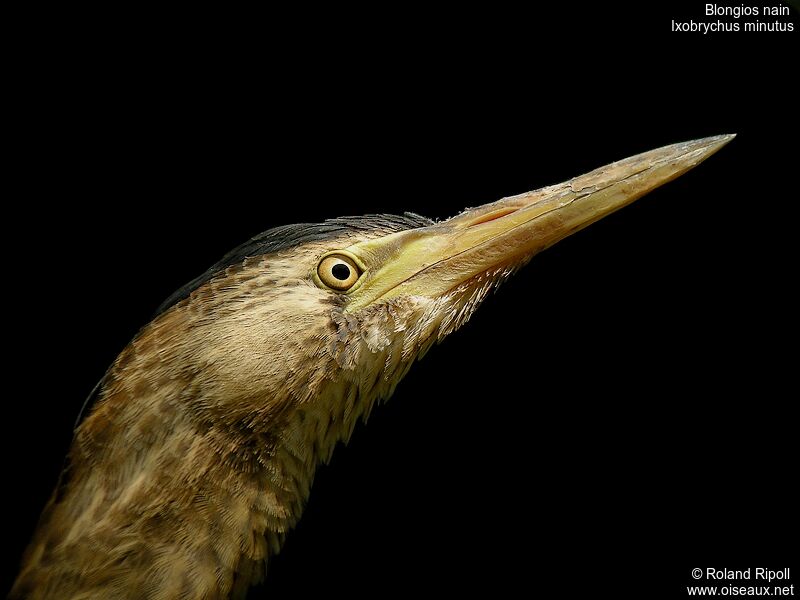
[338, 272]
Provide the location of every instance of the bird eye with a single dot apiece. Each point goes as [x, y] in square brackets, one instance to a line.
[338, 272]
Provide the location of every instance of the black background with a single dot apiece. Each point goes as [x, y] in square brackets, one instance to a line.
[618, 414]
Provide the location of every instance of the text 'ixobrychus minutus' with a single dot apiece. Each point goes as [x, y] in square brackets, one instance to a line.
[198, 454]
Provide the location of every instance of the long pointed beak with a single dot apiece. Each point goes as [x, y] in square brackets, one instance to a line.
[431, 261]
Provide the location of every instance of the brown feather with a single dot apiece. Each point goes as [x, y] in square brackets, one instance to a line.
[200, 452]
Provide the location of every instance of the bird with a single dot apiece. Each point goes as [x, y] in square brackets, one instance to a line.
[197, 450]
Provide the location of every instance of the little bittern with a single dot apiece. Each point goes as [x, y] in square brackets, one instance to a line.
[198, 453]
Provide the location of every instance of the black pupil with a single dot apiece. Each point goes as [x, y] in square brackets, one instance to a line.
[341, 271]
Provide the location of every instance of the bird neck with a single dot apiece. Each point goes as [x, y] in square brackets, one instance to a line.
[198, 456]
[151, 501]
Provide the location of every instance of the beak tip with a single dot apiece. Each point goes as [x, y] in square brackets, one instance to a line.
[724, 138]
[715, 142]
[696, 151]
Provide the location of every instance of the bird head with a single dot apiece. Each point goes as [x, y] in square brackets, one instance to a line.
[328, 317]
